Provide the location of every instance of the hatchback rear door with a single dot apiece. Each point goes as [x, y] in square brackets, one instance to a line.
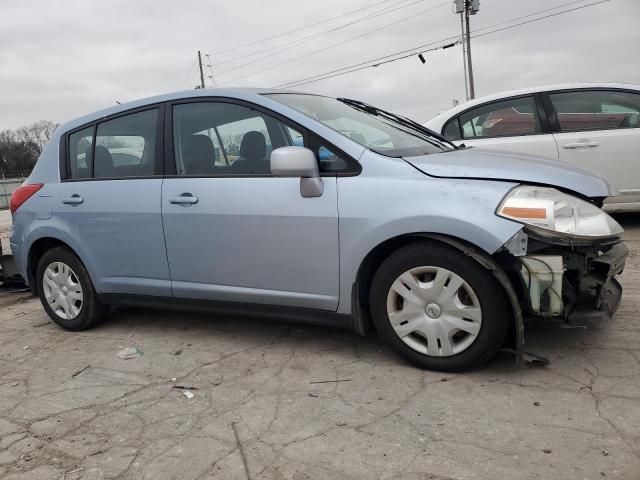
[109, 202]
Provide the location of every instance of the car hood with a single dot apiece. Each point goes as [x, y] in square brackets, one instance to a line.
[496, 165]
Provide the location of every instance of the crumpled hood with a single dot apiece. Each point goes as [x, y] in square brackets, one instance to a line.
[497, 165]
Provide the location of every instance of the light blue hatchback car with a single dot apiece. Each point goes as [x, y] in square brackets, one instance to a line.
[305, 207]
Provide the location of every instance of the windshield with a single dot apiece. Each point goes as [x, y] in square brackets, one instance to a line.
[380, 131]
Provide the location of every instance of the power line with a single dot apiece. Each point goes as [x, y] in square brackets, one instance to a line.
[189, 72]
[295, 43]
[413, 50]
[387, 9]
[314, 52]
[416, 50]
[374, 65]
[255, 42]
[210, 70]
[531, 15]
[544, 17]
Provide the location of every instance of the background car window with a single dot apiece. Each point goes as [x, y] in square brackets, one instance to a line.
[452, 130]
[125, 146]
[596, 110]
[516, 116]
[80, 145]
[216, 138]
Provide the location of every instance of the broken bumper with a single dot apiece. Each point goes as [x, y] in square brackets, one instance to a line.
[576, 284]
[600, 293]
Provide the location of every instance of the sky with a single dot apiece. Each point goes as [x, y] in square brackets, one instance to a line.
[60, 59]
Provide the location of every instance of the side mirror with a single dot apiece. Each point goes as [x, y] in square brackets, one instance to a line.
[298, 162]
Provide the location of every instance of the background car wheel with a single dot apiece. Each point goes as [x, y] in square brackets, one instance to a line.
[438, 308]
[66, 291]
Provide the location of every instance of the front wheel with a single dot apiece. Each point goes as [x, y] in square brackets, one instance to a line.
[437, 308]
[66, 291]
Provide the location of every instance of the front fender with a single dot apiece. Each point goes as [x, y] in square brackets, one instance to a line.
[374, 210]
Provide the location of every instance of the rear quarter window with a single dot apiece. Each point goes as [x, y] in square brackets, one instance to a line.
[80, 146]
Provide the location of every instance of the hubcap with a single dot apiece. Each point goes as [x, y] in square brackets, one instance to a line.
[434, 311]
[62, 290]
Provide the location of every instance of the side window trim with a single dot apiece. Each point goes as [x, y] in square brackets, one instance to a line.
[543, 114]
[170, 162]
[65, 166]
[542, 117]
[552, 115]
[555, 126]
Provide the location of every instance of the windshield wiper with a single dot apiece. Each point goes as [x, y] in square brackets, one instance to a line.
[407, 122]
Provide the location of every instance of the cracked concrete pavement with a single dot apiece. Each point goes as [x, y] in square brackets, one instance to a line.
[578, 418]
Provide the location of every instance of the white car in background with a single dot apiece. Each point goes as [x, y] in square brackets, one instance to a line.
[594, 125]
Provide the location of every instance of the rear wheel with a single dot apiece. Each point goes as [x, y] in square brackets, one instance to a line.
[66, 291]
[438, 308]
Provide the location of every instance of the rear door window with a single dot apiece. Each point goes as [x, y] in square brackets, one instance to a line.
[596, 110]
[125, 146]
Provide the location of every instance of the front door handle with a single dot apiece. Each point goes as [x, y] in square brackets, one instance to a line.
[74, 199]
[581, 144]
[185, 199]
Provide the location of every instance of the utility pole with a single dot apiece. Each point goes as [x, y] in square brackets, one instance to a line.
[466, 8]
[467, 13]
[201, 72]
[464, 57]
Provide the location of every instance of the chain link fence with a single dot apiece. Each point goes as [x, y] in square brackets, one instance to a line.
[9, 181]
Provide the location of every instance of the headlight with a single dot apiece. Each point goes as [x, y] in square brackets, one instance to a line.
[552, 210]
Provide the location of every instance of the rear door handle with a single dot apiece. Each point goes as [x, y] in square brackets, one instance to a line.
[583, 144]
[184, 199]
[74, 199]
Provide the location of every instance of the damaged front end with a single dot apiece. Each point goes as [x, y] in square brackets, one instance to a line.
[572, 280]
[565, 259]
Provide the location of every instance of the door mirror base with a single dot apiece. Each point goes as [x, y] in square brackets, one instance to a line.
[311, 187]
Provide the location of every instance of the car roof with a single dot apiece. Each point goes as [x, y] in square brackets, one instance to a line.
[441, 118]
[248, 94]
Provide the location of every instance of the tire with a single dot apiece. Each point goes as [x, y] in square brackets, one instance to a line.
[430, 338]
[63, 285]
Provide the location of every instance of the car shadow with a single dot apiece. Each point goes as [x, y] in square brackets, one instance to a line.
[546, 339]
